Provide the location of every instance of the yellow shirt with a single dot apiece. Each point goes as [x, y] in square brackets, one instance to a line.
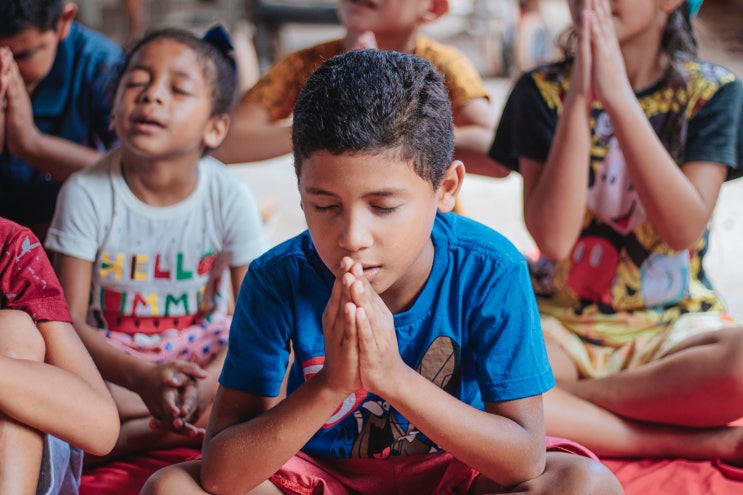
[278, 89]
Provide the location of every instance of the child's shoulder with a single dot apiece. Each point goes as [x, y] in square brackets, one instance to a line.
[87, 45]
[704, 78]
[220, 179]
[300, 248]
[465, 235]
[309, 58]
[10, 230]
[448, 59]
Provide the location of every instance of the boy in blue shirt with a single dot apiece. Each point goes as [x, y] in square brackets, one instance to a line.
[418, 361]
[55, 112]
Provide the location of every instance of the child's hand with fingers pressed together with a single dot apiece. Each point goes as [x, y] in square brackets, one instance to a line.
[171, 394]
[609, 80]
[379, 357]
[599, 66]
[341, 341]
[192, 401]
[6, 60]
[20, 130]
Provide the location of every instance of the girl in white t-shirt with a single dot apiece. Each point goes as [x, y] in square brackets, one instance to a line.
[149, 239]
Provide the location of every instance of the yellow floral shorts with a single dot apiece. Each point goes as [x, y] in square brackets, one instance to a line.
[602, 346]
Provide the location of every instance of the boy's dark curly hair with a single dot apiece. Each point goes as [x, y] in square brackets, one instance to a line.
[375, 101]
[19, 15]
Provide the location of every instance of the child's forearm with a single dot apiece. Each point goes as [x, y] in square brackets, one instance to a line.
[483, 440]
[56, 401]
[678, 205]
[53, 155]
[268, 440]
[554, 204]
[471, 146]
[249, 141]
[114, 365]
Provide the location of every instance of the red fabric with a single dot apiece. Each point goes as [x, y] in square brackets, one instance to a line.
[672, 477]
[27, 281]
[126, 476]
[638, 477]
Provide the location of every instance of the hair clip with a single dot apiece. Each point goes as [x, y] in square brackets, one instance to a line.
[220, 39]
[694, 7]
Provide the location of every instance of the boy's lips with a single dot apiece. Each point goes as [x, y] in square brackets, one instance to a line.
[371, 272]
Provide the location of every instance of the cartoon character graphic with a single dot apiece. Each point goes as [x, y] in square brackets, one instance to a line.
[382, 432]
[665, 278]
[594, 263]
[611, 194]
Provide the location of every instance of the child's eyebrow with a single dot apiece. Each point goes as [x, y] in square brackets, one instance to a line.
[148, 68]
[382, 193]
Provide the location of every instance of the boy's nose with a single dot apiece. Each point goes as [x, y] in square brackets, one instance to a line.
[355, 234]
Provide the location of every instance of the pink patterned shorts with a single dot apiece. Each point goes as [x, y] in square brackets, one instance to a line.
[198, 343]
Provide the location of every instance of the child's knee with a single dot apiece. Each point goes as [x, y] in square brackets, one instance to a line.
[178, 478]
[577, 475]
[19, 336]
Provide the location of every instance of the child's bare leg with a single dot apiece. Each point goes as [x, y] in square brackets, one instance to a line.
[588, 419]
[184, 479]
[610, 435]
[564, 473]
[699, 384]
[20, 446]
[136, 435]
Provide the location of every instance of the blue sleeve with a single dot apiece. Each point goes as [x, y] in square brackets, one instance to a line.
[258, 351]
[104, 61]
[506, 338]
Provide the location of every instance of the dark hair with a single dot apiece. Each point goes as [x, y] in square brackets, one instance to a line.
[19, 15]
[375, 101]
[217, 64]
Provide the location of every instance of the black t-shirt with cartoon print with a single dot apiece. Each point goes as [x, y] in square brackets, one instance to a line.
[620, 262]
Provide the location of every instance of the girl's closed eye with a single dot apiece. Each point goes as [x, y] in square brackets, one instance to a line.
[136, 78]
[384, 209]
[183, 86]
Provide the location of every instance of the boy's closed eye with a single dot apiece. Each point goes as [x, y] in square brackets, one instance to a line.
[376, 208]
[24, 55]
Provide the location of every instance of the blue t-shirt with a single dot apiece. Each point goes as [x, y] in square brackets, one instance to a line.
[71, 102]
[474, 331]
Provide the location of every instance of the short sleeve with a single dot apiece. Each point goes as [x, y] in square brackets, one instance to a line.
[74, 227]
[258, 350]
[28, 281]
[526, 127]
[277, 90]
[245, 237]
[463, 81]
[508, 344]
[715, 132]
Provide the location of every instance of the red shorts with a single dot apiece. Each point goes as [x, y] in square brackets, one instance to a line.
[435, 474]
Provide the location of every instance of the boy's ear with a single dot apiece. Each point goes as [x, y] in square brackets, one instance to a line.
[450, 186]
[216, 131]
[69, 10]
[436, 9]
